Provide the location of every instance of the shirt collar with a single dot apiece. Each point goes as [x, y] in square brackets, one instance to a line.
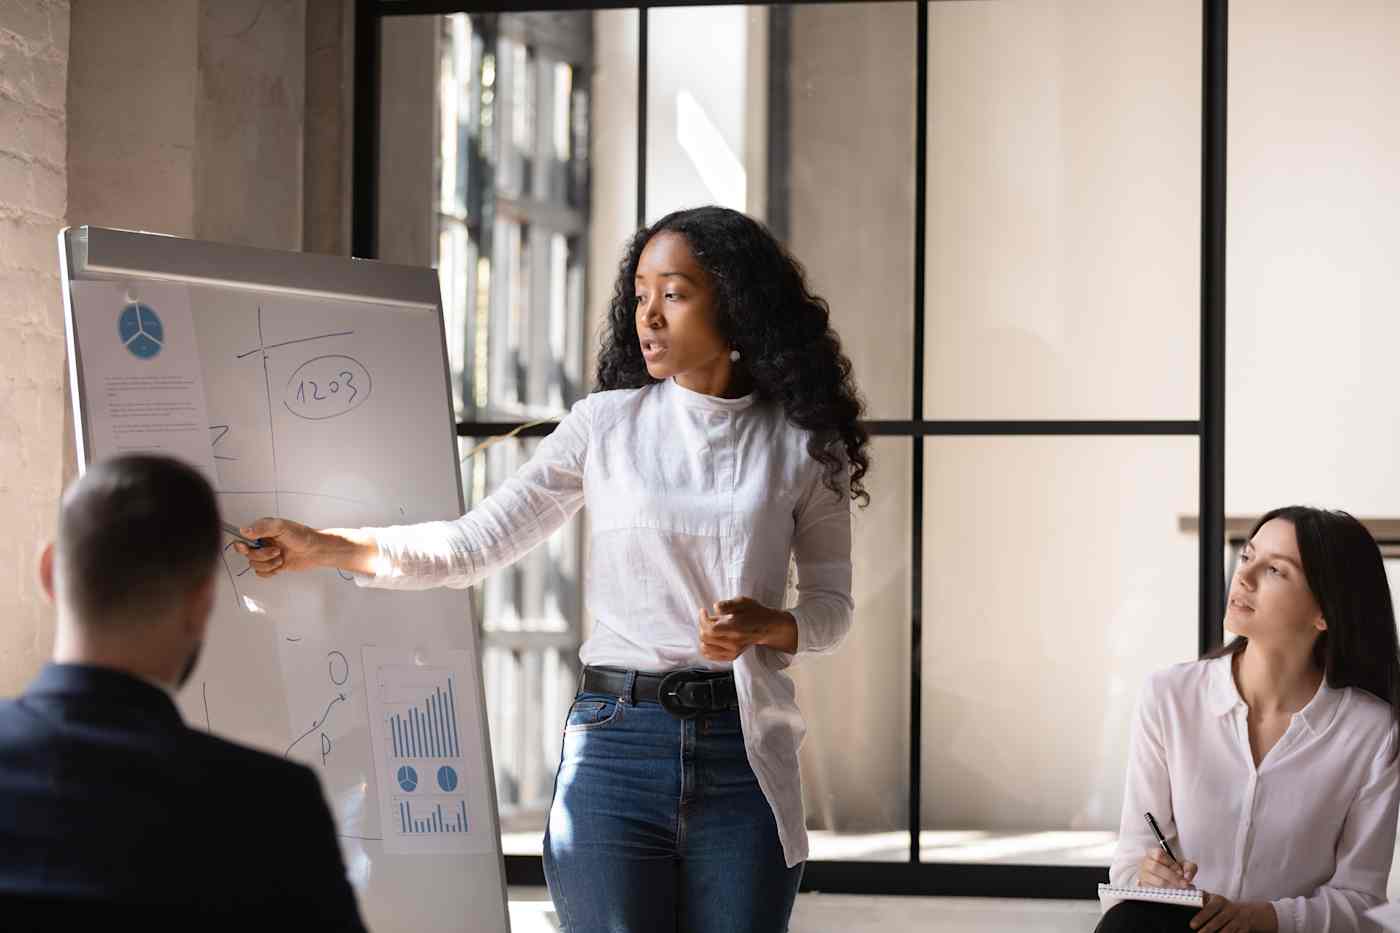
[693, 399]
[108, 684]
[1224, 696]
[1322, 707]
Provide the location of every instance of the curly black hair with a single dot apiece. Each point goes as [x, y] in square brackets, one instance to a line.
[766, 312]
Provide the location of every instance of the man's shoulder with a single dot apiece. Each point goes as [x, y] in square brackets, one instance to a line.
[242, 762]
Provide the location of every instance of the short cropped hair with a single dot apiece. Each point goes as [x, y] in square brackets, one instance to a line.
[136, 535]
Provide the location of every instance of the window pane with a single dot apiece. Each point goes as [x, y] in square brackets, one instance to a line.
[855, 761]
[530, 616]
[1313, 281]
[844, 195]
[704, 76]
[802, 116]
[1312, 277]
[1056, 578]
[486, 151]
[1064, 210]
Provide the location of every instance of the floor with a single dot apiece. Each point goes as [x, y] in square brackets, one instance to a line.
[531, 912]
[1053, 847]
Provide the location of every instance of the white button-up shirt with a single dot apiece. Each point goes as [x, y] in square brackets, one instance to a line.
[691, 499]
[1311, 830]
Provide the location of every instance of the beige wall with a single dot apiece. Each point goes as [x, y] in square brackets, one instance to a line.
[206, 138]
[249, 120]
[330, 101]
[33, 196]
[408, 140]
[131, 133]
[613, 158]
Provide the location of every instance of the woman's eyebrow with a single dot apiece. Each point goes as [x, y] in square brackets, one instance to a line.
[668, 275]
[1270, 555]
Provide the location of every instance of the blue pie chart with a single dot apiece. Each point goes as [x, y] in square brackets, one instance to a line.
[447, 778]
[141, 330]
[407, 778]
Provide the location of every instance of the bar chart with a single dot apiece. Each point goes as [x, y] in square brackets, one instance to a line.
[427, 729]
[437, 820]
[428, 756]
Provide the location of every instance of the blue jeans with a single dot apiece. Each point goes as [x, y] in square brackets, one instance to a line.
[658, 826]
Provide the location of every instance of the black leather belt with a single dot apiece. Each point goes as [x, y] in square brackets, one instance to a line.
[683, 693]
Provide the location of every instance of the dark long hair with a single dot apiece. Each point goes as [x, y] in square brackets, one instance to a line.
[1346, 575]
[766, 312]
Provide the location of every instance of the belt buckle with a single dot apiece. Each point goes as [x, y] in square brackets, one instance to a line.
[668, 695]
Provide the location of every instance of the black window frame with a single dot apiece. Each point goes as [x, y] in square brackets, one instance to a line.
[912, 877]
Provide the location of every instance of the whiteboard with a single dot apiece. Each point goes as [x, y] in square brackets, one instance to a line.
[380, 692]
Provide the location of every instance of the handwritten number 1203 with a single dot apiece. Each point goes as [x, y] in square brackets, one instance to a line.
[328, 387]
[333, 387]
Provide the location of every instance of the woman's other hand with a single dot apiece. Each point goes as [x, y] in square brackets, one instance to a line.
[1221, 915]
[738, 624]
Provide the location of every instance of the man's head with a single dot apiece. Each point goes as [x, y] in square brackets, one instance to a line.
[132, 572]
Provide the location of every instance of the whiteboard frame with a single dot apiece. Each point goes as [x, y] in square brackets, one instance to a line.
[88, 253]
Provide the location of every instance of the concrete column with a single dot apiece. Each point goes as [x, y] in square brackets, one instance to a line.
[33, 197]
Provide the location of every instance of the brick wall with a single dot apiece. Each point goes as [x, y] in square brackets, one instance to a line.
[33, 201]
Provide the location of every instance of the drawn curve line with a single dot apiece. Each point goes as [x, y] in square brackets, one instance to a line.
[315, 725]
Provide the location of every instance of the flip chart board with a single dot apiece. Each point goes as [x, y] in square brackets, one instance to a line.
[315, 388]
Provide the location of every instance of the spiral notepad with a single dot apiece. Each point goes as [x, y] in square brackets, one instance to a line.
[1181, 897]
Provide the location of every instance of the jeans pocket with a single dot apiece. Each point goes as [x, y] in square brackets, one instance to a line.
[588, 714]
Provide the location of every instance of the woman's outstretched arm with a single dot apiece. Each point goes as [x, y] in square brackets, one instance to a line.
[524, 510]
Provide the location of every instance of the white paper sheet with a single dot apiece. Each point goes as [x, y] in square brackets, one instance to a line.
[432, 797]
[141, 367]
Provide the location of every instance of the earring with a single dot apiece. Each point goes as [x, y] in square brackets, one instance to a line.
[734, 356]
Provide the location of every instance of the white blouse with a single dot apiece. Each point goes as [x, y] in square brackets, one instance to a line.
[1312, 829]
[691, 499]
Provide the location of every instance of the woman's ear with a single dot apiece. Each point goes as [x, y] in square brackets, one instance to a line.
[1320, 623]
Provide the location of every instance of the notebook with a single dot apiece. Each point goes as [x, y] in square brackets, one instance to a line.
[1181, 897]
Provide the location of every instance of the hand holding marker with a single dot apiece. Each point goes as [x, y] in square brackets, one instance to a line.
[232, 529]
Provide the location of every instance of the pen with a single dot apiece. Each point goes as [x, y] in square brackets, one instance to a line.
[233, 530]
[1161, 840]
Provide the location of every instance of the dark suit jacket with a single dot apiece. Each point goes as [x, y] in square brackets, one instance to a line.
[111, 805]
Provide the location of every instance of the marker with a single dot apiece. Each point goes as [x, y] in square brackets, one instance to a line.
[234, 530]
[1161, 840]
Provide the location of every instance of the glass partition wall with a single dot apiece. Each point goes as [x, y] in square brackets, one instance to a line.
[1015, 210]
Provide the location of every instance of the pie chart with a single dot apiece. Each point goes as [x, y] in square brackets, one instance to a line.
[407, 778]
[141, 331]
[447, 778]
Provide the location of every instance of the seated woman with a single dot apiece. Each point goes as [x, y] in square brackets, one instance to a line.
[1270, 766]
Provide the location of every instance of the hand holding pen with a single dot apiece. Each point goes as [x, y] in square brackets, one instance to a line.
[1161, 868]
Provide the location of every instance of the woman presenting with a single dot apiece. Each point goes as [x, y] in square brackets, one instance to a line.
[722, 442]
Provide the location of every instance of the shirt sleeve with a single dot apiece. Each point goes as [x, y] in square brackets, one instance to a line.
[522, 512]
[822, 551]
[1148, 790]
[1364, 852]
